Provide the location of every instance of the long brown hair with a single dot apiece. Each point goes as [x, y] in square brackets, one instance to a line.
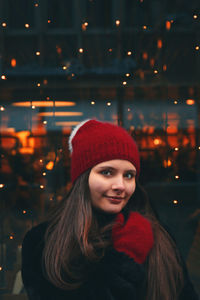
[75, 231]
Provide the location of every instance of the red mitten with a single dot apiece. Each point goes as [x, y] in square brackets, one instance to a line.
[134, 238]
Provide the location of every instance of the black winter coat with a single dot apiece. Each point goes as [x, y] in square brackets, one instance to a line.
[115, 277]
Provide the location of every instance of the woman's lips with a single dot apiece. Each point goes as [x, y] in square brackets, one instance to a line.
[115, 199]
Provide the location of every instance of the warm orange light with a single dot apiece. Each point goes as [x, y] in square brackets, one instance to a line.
[152, 62]
[176, 148]
[4, 24]
[27, 25]
[59, 50]
[164, 67]
[24, 212]
[117, 22]
[167, 163]
[168, 25]
[61, 114]
[159, 44]
[50, 165]
[129, 53]
[13, 62]
[110, 49]
[80, 50]
[175, 201]
[84, 26]
[44, 103]
[3, 77]
[127, 74]
[144, 27]
[190, 101]
[49, 21]
[2, 108]
[11, 237]
[177, 177]
[42, 186]
[157, 142]
[145, 55]
[108, 103]
[1, 268]
[197, 47]
[155, 71]
[124, 83]
[26, 150]
[1, 185]
[37, 53]
[195, 16]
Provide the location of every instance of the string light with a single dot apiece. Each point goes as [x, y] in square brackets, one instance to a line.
[37, 53]
[159, 44]
[108, 103]
[155, 71]
[195, 16]
[84, 26]
[36, 4]
[38, 84]
[80, 50]
[2, 108]
[168, 25]
[73, 74]
[1, 185]
[157, 142]
[27, 25]
[127, 75]
[1, 268]
[129, 109]
[199, 147]
[164, 68]
[92, 102]
[110, 49]
[175, 201]
[190, 101]
[64, 68]
[176, 148]
[117, 22]
[145, 55]
[41, 161]
[129, 53]
[24, 212]
[124, 83]
[197, 48]
[3, 77]
[44, 173]
[144, 27]
[33, 107]
[42, 186]
[175, 102]
[11, 237]
[44, 122]
[177, 177]
[4, 24]
[49, 21]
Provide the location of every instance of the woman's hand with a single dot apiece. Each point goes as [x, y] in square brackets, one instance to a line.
[134, 238]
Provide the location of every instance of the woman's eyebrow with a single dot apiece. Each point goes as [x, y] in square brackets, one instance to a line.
[111, 168]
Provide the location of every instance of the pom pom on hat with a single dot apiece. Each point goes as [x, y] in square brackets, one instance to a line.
[92, 142]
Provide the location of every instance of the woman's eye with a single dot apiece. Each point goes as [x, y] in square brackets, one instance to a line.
[106, 172]
[129, 175]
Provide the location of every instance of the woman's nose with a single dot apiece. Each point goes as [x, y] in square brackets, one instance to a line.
[118, 183]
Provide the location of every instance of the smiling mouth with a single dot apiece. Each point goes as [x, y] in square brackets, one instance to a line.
[115, 199]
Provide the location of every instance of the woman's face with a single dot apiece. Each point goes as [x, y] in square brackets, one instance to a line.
[111, 185]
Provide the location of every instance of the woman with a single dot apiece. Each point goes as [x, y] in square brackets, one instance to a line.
[103, 242]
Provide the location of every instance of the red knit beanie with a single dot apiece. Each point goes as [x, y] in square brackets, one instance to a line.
[93, 142]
